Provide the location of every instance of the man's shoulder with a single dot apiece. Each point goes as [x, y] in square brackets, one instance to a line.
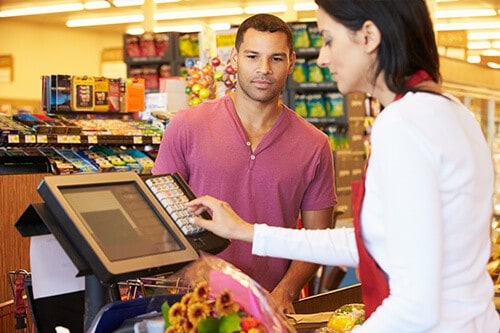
[207, 109]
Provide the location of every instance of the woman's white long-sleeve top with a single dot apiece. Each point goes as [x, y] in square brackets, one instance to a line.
[426, 220]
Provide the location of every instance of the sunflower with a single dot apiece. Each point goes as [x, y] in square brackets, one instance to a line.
[198, 311]
[224, 303]
[201, 291]
[176, 313]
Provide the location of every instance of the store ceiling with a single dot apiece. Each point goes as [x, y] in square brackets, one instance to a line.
[59, 20]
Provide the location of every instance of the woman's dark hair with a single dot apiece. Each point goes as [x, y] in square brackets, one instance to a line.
[264, 23]
[407, 35]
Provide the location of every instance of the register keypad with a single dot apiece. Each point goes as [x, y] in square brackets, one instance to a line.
[174, 200]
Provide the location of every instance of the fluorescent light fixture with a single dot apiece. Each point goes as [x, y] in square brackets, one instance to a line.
[96, 4]
[440, 14]
[220, 26]
[495, 44]
[491, 53]
[135, 31]
[474, 59]
[127, 3]
[86, 22]
[478, 45]
[305, 6]
[483, 35]
[493, 65]
[180, 28]
[467, 26]
[67, 7]
[171, 15]
[265, 9]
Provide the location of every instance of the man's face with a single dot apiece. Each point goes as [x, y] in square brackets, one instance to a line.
[263, 63]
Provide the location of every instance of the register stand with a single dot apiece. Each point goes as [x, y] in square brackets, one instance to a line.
[111, 228]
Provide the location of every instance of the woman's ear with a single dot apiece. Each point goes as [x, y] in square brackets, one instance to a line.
[372, 36]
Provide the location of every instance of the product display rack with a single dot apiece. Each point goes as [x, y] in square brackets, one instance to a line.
[153, 62]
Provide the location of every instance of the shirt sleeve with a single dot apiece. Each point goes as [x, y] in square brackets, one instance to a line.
[333, 247]
[172, 151]
[409, 248]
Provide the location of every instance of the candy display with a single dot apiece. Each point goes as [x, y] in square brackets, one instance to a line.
[202, 80]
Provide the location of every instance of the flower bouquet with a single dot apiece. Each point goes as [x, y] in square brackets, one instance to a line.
[223, 300]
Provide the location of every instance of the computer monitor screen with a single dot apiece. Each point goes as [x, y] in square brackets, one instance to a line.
[114, 224]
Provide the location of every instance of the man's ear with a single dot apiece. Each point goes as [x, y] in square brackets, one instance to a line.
[234, 58]
[371, 35]
[293, 58]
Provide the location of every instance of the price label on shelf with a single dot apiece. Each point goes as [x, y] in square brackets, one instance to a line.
[30, 138]
[137, 140]
[42, 139]
[13, 138]
[75, 139]
[63, 139]
[92, 139]
[156, 139]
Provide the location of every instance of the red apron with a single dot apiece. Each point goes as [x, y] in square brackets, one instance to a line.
[374, 284]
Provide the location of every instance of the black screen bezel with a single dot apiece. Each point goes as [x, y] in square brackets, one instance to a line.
[67, 224]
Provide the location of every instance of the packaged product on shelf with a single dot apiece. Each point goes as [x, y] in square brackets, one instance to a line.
[60, 93]
[147, 45]
[189, 45]
[301, 105]
[39, 126]
[82, 93]
[327, 76]
[300, 72]
[334, 104]
[114, 94]
[315, 72]
[132, 47]
[300, 36]
[315, 38]
[162, 43]
[81, 164]
[316, 105]
[101, 94]
[134, 95]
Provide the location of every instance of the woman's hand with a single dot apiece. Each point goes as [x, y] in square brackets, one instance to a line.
[225, 222]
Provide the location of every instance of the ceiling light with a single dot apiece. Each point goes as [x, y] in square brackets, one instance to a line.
[86, 22]
[305, 6]
[495, 44]
[474, 59]
[135, 31]
[68, 7]
[493, 65]
[96, 4]
[265, 9]
[127, 3]
[440, 14]
[467, 26]
[220, 26]
[478, 45]
[483, 35]
[170, 15]
[179, 28]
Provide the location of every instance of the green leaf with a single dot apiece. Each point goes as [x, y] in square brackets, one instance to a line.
[208, 325]
[164, 310]
[230, 323]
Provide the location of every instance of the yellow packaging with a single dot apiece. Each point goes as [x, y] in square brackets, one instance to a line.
[101, 94]
[82, 93]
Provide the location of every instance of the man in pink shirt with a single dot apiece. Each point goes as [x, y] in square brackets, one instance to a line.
[250, 150]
